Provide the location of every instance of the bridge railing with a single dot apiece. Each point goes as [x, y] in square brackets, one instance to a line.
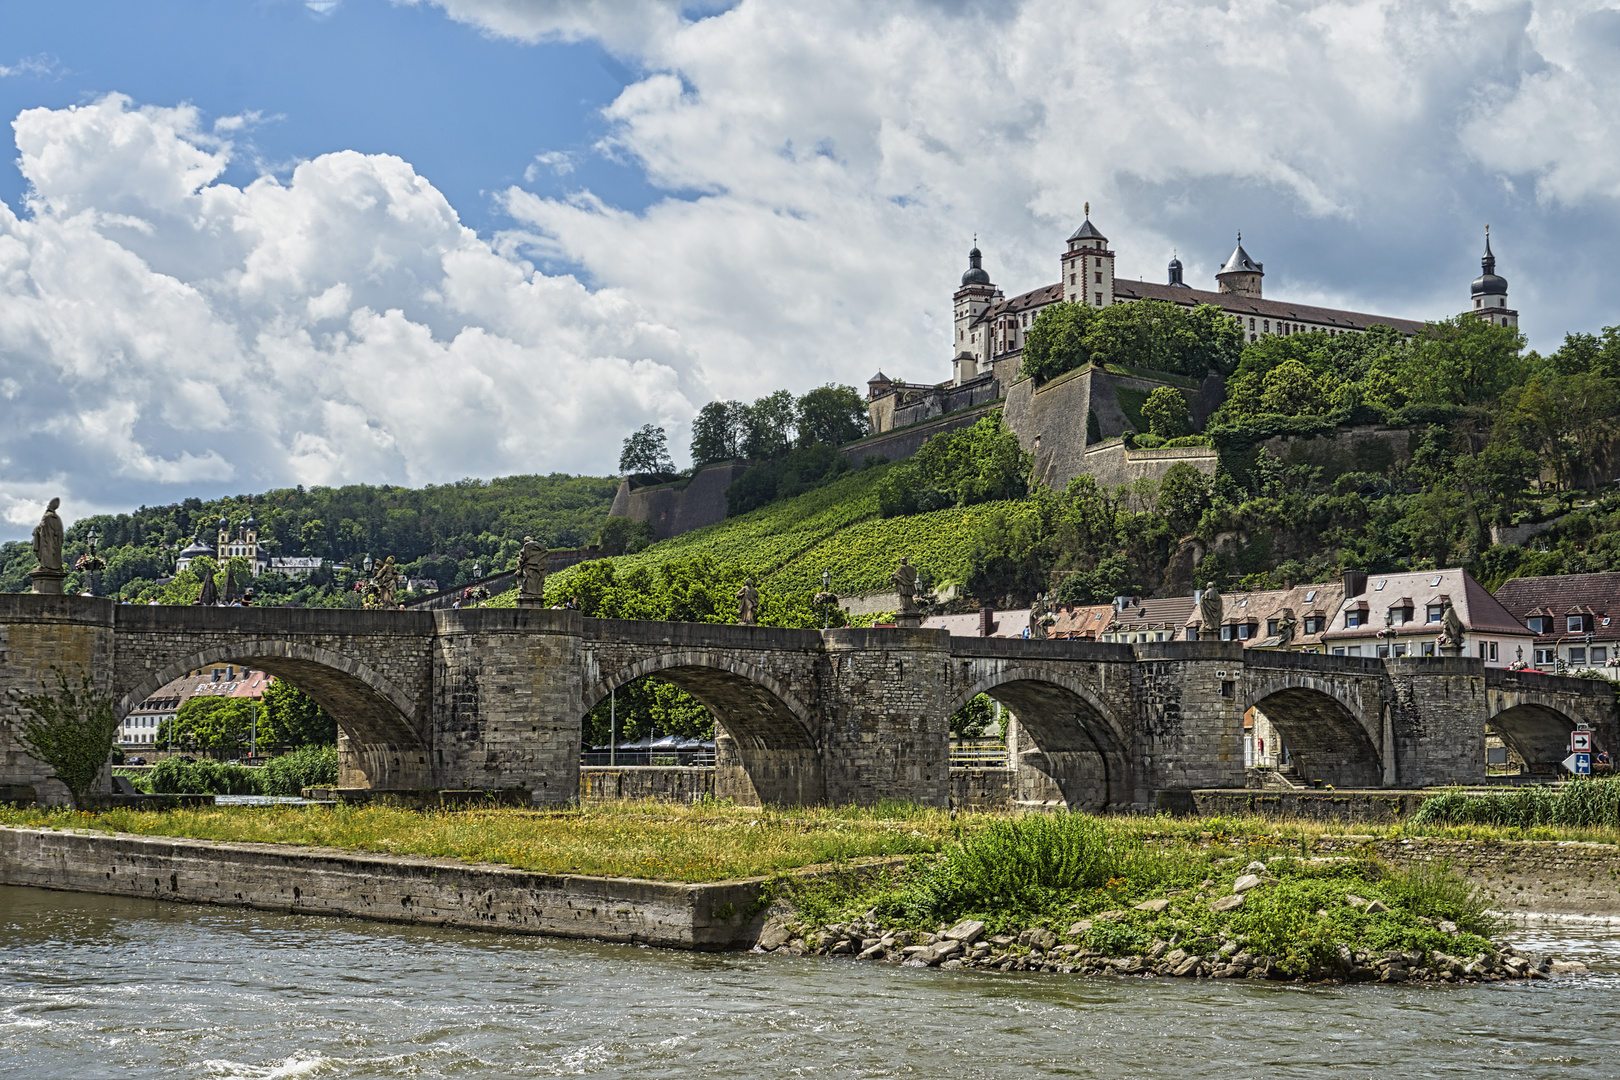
[978, 754]
[686, 759]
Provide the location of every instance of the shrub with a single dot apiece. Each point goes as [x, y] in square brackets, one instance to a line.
[1436, 891]
[1166, 412]
[1581, 803]
[291, 773]
[177, 776]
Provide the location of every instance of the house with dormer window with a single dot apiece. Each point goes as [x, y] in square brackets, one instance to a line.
[1575, 619]
[1394, 615]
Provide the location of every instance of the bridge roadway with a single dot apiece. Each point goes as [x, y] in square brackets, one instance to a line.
[494, 698]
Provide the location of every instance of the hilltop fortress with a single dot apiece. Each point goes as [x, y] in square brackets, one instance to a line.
[1074, 424]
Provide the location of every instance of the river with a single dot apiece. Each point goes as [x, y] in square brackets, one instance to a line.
[99, 986]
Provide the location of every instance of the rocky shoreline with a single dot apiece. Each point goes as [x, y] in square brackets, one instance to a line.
[1037, 949]
[1189, 954]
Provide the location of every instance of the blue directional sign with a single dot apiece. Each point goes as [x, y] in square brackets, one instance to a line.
[1579, 763]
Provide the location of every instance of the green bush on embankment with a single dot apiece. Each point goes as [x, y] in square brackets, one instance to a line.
[286, 775]
[1580, 803]
[1082, 878]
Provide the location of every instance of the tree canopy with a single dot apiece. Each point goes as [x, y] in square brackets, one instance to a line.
[1149, 334]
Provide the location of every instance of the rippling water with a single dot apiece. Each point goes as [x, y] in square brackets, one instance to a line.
[96, 986]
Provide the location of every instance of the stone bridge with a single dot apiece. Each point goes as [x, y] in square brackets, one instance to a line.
[495, 698]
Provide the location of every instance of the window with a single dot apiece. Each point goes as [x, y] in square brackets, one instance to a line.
[1099, 299]
[1401, 650]
[1493, 650]
[1383, 650]
[1544, 657]
[1574, 624]
[1271, 627]
[1600, 654]
[1338, 650]
[1226, 633]
[1482, 650]
[1355, 650]
[1310, 597]
[1352, 619]
[1436, 612]
[1251, 324]
[1243, 631]
[1577, 656]
[1428, 648]
[1071, 279]
[1099, 277]
[1313, 624]
[1536, 624]
[1265, 325]
[1400, 616]
[1192, 634]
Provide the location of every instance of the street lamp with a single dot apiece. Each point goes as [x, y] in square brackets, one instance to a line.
[93, 536]
[368, 562]
[826, 586]
[478, 570]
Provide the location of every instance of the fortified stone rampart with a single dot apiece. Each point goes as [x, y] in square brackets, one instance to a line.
[902, 442]
[676, 507]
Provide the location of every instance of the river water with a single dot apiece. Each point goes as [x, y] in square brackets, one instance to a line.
[94, 986]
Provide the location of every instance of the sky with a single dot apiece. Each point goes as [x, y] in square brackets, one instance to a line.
[261, 243]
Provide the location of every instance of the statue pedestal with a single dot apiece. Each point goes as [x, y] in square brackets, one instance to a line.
[526, 600]
[912, 621]
[48, 582]
[1451, 650]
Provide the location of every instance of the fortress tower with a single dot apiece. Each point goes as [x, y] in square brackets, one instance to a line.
[1489, 292]
[1088, 267]
[972, 300]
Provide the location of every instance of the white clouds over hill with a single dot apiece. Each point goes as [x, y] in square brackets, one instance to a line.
[161, 330]
[159, 327]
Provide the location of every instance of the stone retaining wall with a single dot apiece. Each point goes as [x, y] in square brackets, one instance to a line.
[607, 783]
[1368, 806]
[982, 789]
[432, 892]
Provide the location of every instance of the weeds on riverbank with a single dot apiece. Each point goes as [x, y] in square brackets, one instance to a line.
[1094, 883]
[286, 775]
[1583, 803]
[663, 841]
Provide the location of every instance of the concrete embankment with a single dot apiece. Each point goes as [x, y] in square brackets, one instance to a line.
[1522, 876]
[434, 892]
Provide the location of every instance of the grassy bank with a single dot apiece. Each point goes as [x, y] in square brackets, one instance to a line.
[661, 841]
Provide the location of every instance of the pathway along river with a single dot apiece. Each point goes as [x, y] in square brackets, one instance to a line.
[94, 986]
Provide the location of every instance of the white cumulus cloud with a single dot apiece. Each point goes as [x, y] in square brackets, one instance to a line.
[163, 333]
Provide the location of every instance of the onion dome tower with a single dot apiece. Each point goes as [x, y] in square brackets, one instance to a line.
[1175, 273]
[971, 349]
[1489, 292]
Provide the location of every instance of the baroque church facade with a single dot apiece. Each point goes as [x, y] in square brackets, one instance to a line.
[990, 329]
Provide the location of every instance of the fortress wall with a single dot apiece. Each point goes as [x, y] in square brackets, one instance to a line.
[1111, 464]
[900, 444]
[675, 509]
[1056, 415]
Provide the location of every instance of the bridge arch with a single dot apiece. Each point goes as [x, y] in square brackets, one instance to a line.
[1080, 749]
[1328, 738]
[381, 744]
[1534, 729]
[766, 745]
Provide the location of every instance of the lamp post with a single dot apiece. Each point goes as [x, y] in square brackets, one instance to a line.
[367, 563]
[826, 586]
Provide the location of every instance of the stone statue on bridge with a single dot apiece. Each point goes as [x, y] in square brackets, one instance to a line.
[1451, 632]
[1286, 625]
[209, 597]
[533, 561]
[1037, 618]
[748, 604]
[48, 572]
[387, 582]
[904, 580]
[1211, 610]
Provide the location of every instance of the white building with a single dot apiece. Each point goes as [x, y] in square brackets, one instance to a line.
[1391, 615]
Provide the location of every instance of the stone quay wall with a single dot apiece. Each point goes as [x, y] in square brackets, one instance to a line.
[1369, 806]
[397, 889]
[669, 783]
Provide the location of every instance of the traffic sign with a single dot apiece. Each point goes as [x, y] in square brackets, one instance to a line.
[1580, 742]
[1579, 764]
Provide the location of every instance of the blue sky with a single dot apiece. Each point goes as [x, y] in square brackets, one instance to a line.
[261, 243]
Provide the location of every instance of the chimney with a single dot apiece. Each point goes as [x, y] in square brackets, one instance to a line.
[1355, 583]
[987, 621]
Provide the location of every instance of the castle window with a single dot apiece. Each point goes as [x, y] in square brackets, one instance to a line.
[1071, 279]
[1099, 299]
[1267, 326]
[1251, 324]
[1099, 277]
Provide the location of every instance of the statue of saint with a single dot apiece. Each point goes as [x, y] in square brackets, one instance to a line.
[904, 579]
[533, 562]
[1286, 625]
[1211, 610]
[48, 539]
[748, 604]
[229, 597]
[1451, 628]
[387, 582]
[1037, 619]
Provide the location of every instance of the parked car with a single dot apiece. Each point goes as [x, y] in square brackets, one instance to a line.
[134, 761]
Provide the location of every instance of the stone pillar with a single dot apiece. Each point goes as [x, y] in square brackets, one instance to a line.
[1437, 709]
[885, 719]
[48, 582]
[507, 701]
[39, 633]
[1189, 731]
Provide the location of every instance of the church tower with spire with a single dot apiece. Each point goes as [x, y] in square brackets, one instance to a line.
[1489, 292]
[1087, 267]
[972, 354]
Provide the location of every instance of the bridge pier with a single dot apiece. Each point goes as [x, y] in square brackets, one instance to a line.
[39, 636]
[886, 716]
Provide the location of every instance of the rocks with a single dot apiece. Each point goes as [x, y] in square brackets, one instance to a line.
[1228, 903]
[967, 931]
[773, 936]
[1446, 926]
[1566, 967]
[1153, 906]
[1247, 882]
[1038, 938]
[1354, 901]
[1074, 931]
[1376, 907]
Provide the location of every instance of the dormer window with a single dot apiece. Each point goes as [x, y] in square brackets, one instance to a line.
[1436, 612]
[1537, 624]
[1271, 627]
[1574, 624]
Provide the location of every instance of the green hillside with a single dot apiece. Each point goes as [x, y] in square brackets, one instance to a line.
[836, 528]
